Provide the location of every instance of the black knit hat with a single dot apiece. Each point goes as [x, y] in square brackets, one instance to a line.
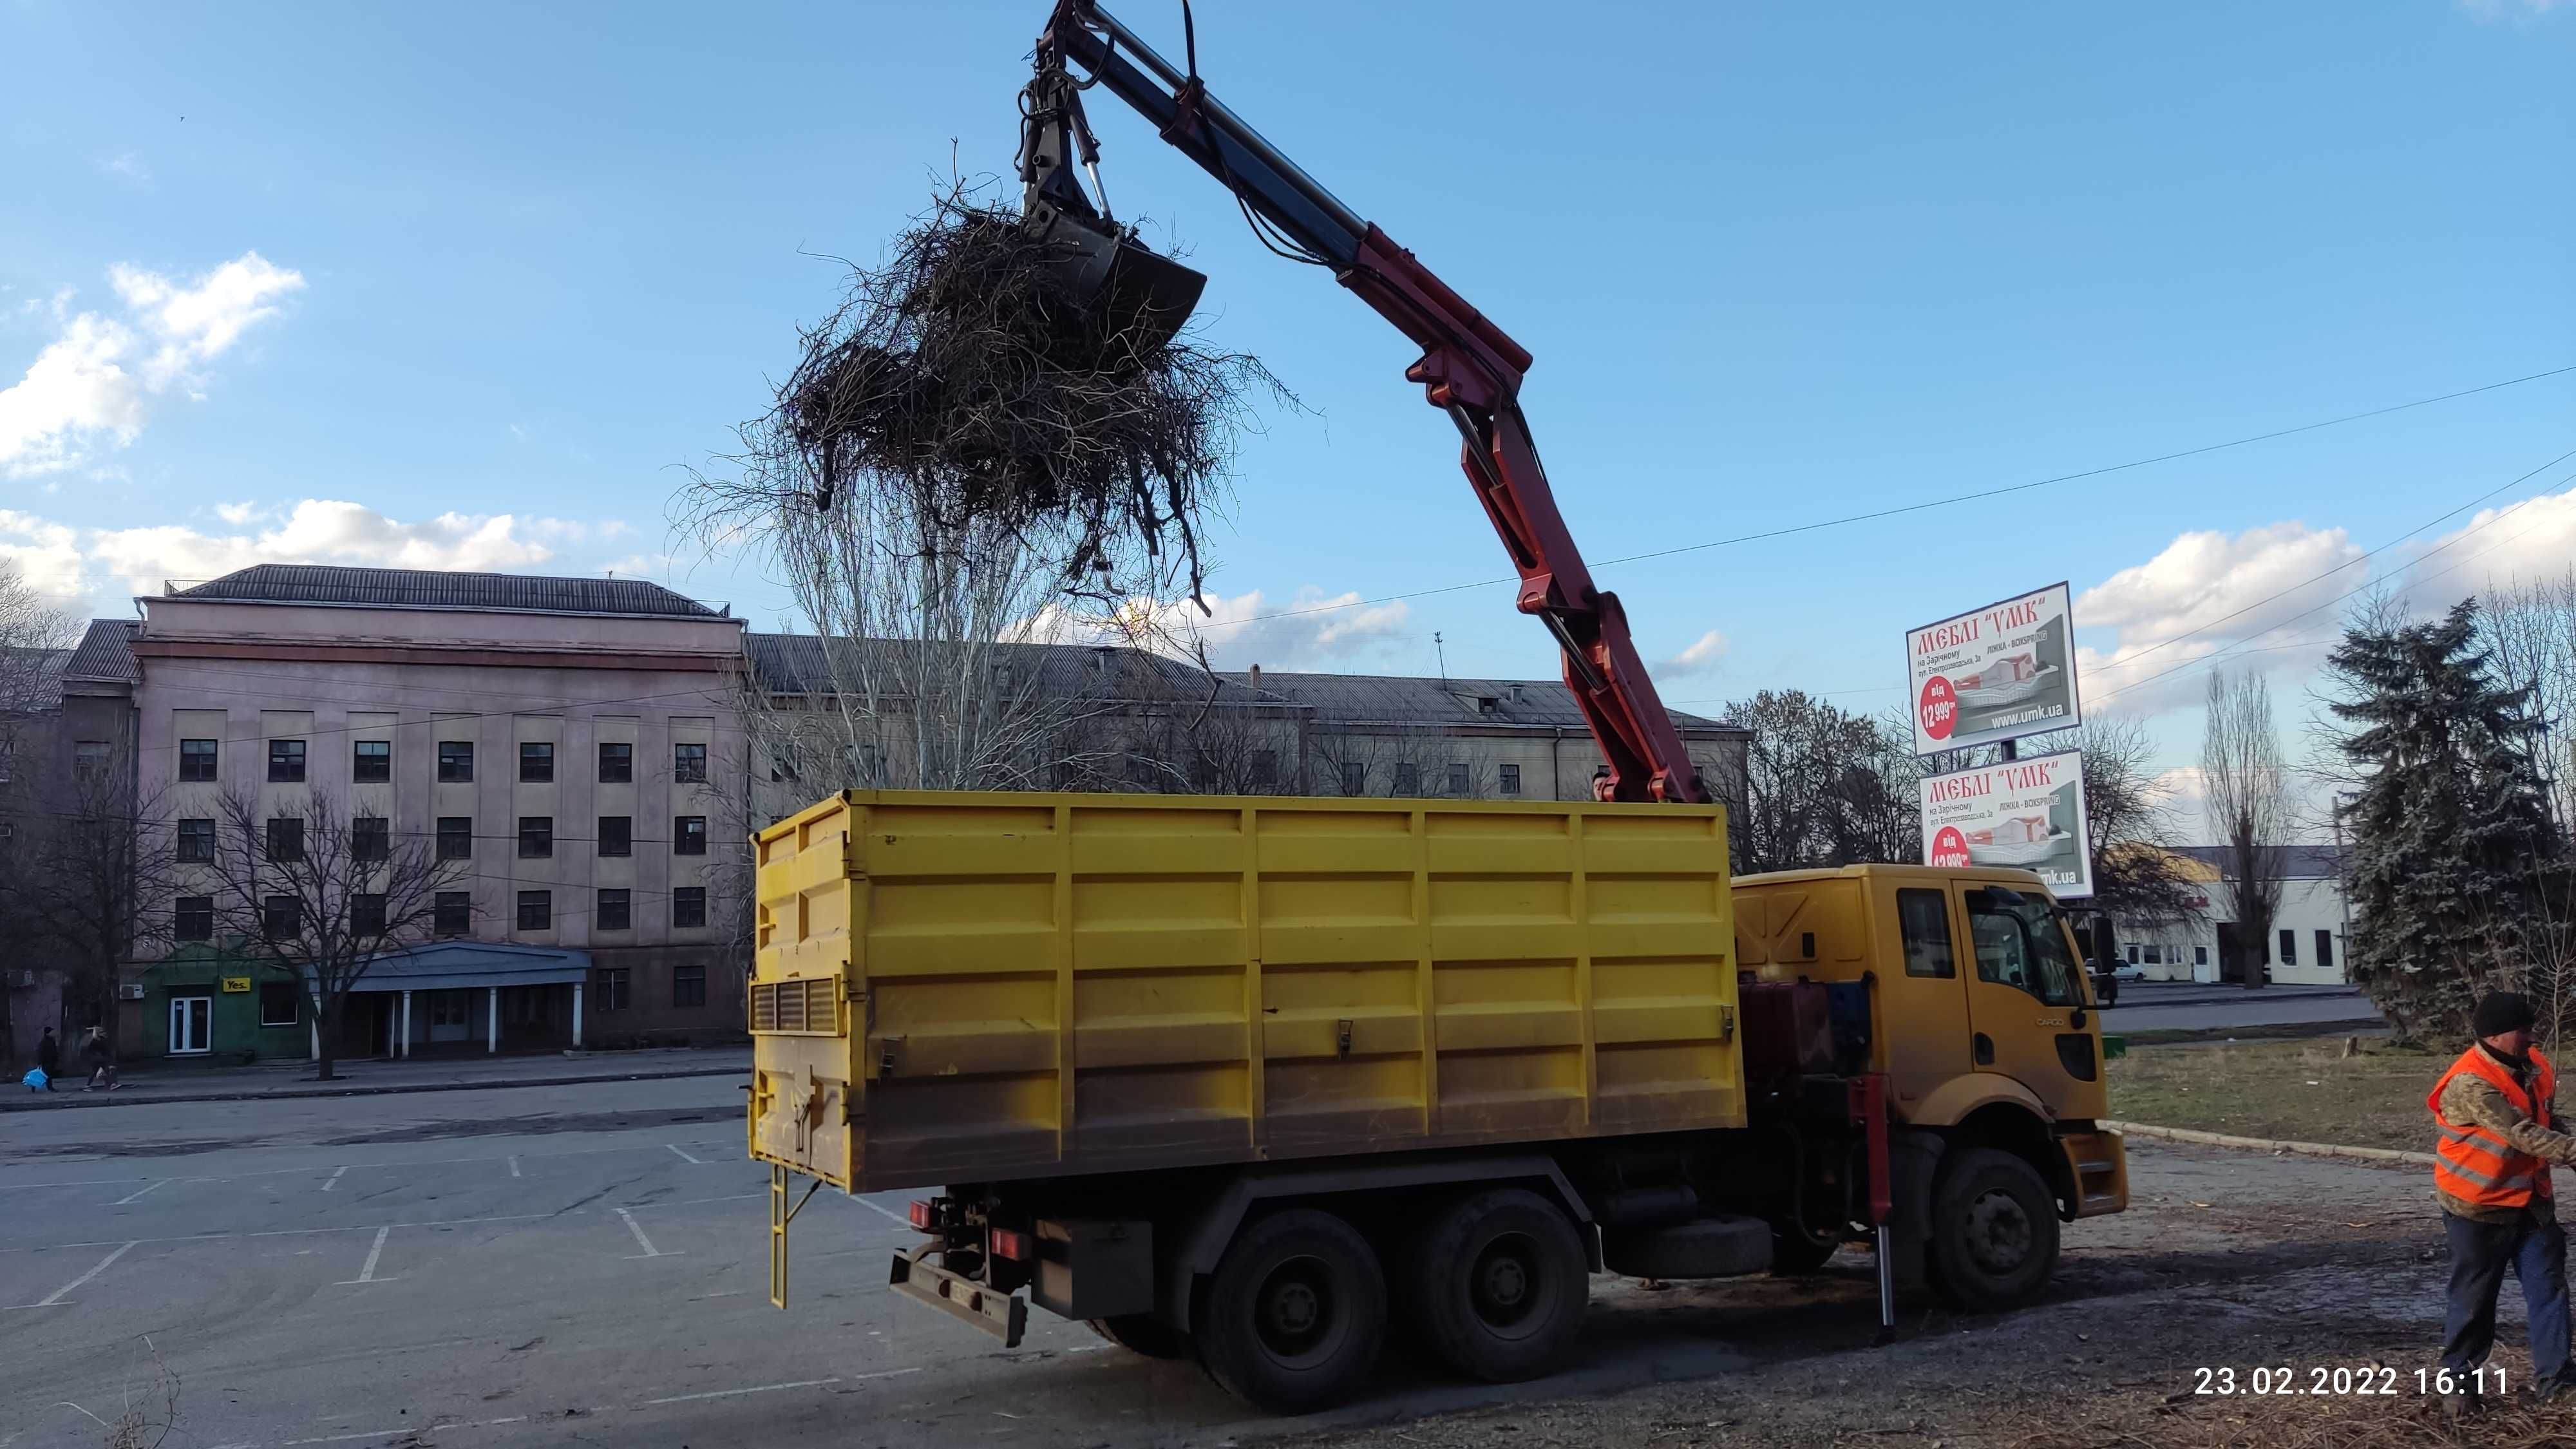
[2500, 1012]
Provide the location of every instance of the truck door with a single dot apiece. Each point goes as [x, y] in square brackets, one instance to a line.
[2023, 996]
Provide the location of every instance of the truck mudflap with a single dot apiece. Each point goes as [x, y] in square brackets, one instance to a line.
[1003, 1315]
[2097, 1162]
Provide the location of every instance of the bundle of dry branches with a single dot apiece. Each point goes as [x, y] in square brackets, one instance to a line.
[964, 377]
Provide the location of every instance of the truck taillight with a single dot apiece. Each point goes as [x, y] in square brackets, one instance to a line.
[1015, 1245]
[924, 1216]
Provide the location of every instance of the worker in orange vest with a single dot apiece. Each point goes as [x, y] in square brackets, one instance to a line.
[2497, 1113]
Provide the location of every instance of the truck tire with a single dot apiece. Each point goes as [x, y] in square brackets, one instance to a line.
[1994, 1230]
[1296, 1313]
[1143, 1333]
[1795, 1255]
[1499, 1286]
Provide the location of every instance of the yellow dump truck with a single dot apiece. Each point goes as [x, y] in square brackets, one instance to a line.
[1246, 1078]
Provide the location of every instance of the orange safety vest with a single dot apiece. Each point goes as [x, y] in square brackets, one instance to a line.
[2480, 1167]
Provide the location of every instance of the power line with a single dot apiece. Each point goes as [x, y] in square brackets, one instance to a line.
[1905, 508]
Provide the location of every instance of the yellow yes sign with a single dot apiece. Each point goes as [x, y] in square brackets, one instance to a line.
[236, 983]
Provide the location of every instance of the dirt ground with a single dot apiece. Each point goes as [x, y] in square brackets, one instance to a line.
[2225, 1261]
[2302, 1091]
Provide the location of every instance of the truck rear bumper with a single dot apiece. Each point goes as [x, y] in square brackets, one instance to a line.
[1003, 1315]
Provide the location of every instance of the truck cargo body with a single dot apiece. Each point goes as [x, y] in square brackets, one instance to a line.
[1245, 1078]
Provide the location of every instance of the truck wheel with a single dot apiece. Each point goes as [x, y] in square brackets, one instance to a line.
[1143, 1333]
[1296, 1313]
[1499, 1285]
[1795, 1255]
[1994, 1230]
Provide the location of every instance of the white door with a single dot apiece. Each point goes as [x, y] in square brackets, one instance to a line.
[189, 1016]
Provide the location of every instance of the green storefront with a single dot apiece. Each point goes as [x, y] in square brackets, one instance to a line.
[210, 1004]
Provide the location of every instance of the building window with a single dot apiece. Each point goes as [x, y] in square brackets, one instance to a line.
[1510, 783]
[282, 917]
[611, 989]
[616, 764]
[367, 914]
[373, 764]
[1408, 780]
[455, 762]
[615, 907]
[196, 841]
[2200, 955]
[286, 837]
[196, 759]
[448, 1008]
[689, 835]
[2155, 955]
[536, 763]
[536, 910]
[452, 913]
[278, 1003]
[456, 837]
[2133, 953]
[536, 837]
[689, 764]
[1923, 921]
[371, 838]
[286, 762]
[196, 918]
[89, 760]
[1354, 777]
[2289, 948]
[617, 835]
[2325, 947]
[689, 906]
[1265, 767]
[1457, 779]
[688, 986]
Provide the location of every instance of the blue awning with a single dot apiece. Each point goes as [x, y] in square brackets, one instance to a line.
[467, 965]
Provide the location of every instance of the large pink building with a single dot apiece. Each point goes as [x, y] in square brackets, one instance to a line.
[567, 741]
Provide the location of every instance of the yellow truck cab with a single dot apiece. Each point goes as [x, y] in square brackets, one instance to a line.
[1246, 1079]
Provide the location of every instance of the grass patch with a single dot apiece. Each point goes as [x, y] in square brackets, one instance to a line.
[2299, 1091]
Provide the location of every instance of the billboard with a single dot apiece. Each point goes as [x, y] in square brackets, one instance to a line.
[1995, 673]
[2019, 814]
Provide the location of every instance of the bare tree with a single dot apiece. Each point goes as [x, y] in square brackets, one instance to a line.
[2129, 821]
[87, 873]
[1821, 787]
[2528, 629]
[323, 892]
[2246, 781]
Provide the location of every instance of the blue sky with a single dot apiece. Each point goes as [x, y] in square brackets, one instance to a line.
[466, 286]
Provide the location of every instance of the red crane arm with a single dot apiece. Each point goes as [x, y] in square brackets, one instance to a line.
[1469, 368]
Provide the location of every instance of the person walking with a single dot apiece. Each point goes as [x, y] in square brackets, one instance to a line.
[49, 1055]
[2496, 1112]
[102, 1061]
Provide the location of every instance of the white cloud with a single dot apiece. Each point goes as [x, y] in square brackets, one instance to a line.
[1311, 631]
[1704, 656]
[237, 514]
[2517, 10]
[93, 384]
[2533, 539]
[100, 565]
[2218, 590]
[128, 165]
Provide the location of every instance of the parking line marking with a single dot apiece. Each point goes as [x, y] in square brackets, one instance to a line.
[684, 1157]
[335, 1177]
[889, 1212]
[642, 1241]
[55, 1300]
[140, 1191]
[774, 1388]
[514, 1164]
[367, 1274]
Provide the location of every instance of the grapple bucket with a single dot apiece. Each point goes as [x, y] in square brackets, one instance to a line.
[1109, 273]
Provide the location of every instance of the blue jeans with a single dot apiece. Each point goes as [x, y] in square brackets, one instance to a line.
[2480, 1252]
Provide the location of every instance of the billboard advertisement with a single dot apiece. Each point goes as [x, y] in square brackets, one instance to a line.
[1995, 673]
[2019, 814]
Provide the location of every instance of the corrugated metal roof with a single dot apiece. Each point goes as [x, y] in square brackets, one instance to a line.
[1416, 700]
[106, 652]
[804, 664]
[439, 589]
[2298, 862]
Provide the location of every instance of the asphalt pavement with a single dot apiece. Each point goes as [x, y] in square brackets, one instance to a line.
[2193, 1006]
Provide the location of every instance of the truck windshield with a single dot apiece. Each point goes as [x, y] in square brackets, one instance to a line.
[2020, 944]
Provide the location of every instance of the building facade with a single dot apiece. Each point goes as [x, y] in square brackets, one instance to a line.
[2305, 946]
[559, 742]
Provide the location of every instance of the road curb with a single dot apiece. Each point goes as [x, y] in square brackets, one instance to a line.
[2269, 1144]
[110, 1099]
